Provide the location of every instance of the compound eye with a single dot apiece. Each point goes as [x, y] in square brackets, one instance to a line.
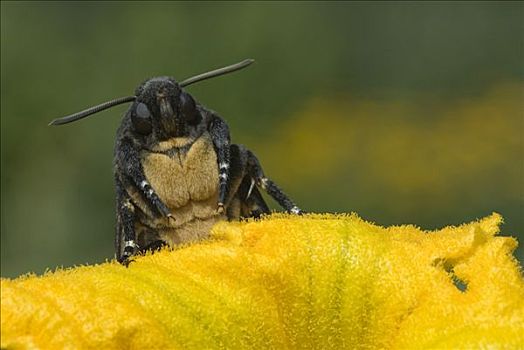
[141, 119]
[188, 108]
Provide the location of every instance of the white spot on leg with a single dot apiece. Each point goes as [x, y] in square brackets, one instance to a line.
[131, 243]
[263, 182]
[250, 188]
[144, 184]
[295, 210]
[224, 165]
[223, 176]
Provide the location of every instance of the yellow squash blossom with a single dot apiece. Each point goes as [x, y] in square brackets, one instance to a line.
[317, 281]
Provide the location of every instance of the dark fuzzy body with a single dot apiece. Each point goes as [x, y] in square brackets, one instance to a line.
[177, 173]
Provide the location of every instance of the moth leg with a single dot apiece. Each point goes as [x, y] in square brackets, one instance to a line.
[238, 203]
[128, 161]
[256, 204]
[252, 205]
[257, 174]
[153, 246]
[219, 132]
[125, 239]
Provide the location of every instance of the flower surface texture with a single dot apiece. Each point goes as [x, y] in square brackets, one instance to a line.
[284, 282]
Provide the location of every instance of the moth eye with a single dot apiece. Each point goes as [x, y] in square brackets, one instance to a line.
[188, 108]
[141, 119]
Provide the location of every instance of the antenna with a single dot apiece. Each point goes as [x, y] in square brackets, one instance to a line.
[92, 110]
[121, 100]
[217, 72]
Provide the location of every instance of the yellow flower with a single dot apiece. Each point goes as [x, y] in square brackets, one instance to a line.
[318, 281]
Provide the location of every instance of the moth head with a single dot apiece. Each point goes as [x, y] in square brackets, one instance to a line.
[160, 105]
[163, 108]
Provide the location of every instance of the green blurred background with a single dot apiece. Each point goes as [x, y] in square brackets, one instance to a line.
[402, 112]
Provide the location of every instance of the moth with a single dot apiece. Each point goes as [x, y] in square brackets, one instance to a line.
[176, 171]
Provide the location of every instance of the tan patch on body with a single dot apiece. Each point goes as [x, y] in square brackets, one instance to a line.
[180, 177]
[192, 231]
[188, 184]
[172, 143]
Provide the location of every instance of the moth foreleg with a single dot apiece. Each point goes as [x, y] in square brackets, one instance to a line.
[129, 163]
[125, 240]
[219, 132]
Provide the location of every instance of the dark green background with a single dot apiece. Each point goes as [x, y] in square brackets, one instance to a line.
[57, 204]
